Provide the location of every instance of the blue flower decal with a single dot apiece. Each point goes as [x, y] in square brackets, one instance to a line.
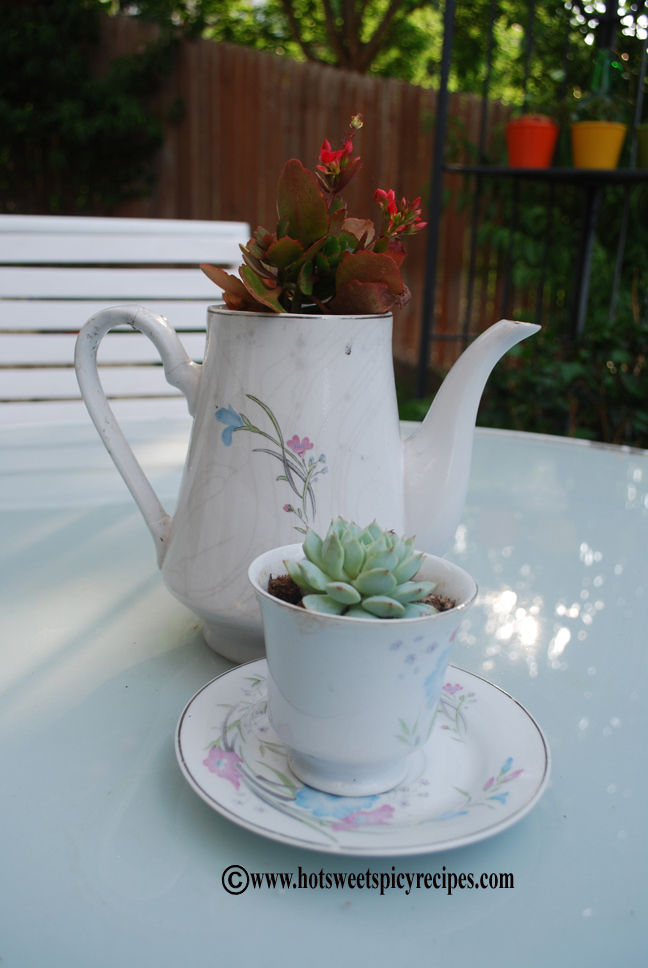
[500, 796]
[432, 684]
[328, 805]
[233, 421]
[507, 766]
[451, 814]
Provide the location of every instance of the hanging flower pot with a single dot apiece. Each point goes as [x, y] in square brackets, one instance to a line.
[597, 144]
[642, 146]
[530, 141]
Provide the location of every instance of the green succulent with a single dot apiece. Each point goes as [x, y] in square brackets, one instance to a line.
[361, 573]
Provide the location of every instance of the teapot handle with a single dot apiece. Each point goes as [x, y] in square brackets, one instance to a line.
[180, 372]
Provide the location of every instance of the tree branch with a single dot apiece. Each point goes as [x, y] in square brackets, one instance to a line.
[294, 26]
[334, 36]
[351, 29]
[371, 48]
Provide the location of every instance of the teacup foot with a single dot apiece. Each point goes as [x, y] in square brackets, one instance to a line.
[344, 779]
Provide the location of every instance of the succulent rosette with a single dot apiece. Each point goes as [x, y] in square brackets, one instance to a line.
[319, 259]
[361, 573]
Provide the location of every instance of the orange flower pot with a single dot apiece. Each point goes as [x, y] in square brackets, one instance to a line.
[597, 144]
[530, 141]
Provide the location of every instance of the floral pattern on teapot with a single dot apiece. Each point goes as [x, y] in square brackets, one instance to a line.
[299, 473]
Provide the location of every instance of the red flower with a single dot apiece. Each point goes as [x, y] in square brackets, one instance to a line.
[401, 219]
[329, 157]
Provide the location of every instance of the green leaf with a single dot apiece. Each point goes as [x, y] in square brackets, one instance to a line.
[407, 568]
[298, 576]
[306, 278]
[377, 581]
[314, 575]
[321, 264]
[357, 611]
[323, 604]
[283, 253]
[382, 559]
[313, 548]
[418, 610]
[301, 202]
[354, 556]
[383, 607]
[254, 285]
[333, 556]
[411, 591]
[343, 592]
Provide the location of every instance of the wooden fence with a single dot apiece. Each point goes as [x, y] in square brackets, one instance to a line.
[246, 112]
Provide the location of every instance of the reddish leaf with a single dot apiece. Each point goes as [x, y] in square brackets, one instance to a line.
[284, 252]
[337, 220]
[369, 267]
[254, 285]
[235, 294]
[362, 298]
[348, 173]
[404, 297]
[301, 202]
[358, 227]
[257, 266]
[396, 251]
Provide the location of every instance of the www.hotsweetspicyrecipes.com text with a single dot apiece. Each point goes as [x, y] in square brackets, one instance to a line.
[236, 880]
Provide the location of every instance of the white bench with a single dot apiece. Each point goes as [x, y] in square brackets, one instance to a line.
[57, 271]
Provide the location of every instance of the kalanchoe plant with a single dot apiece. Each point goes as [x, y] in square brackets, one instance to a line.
[319, 259]
[361, 573]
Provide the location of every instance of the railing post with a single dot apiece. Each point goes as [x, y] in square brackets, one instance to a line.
[436, 200]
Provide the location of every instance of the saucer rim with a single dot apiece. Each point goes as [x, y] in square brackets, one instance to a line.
[372, 850]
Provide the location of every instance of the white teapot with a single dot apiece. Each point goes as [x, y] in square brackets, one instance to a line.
[295, 422]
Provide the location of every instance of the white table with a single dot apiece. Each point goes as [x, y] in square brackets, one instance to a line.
[109, 859]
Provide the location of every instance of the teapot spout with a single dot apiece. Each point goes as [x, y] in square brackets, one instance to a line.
[438, 456]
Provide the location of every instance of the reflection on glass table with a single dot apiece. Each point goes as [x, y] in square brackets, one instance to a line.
[117, 861]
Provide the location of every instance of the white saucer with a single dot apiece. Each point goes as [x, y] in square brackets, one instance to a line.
[484, 767]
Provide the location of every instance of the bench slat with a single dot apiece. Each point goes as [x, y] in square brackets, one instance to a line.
[120, 284]
[56, 349]
[52, 411]
[55, 384]
[66, 240]
[25, 315]
[49, 289]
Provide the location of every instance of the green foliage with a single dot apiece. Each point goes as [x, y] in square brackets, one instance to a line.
[596, 388]
[361, 573]
[72, 141]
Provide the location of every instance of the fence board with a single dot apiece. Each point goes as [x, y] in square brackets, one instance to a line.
[248, 111]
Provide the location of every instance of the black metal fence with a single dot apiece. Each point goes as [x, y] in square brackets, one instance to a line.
[512, 190]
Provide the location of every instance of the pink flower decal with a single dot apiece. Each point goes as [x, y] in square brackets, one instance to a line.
[451, 690]
[512, 776]
[224, 764]
[488, 784]
[382, 815]
[287, 507]
[298, 446]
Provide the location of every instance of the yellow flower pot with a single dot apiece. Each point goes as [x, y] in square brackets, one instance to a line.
[597, 144]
